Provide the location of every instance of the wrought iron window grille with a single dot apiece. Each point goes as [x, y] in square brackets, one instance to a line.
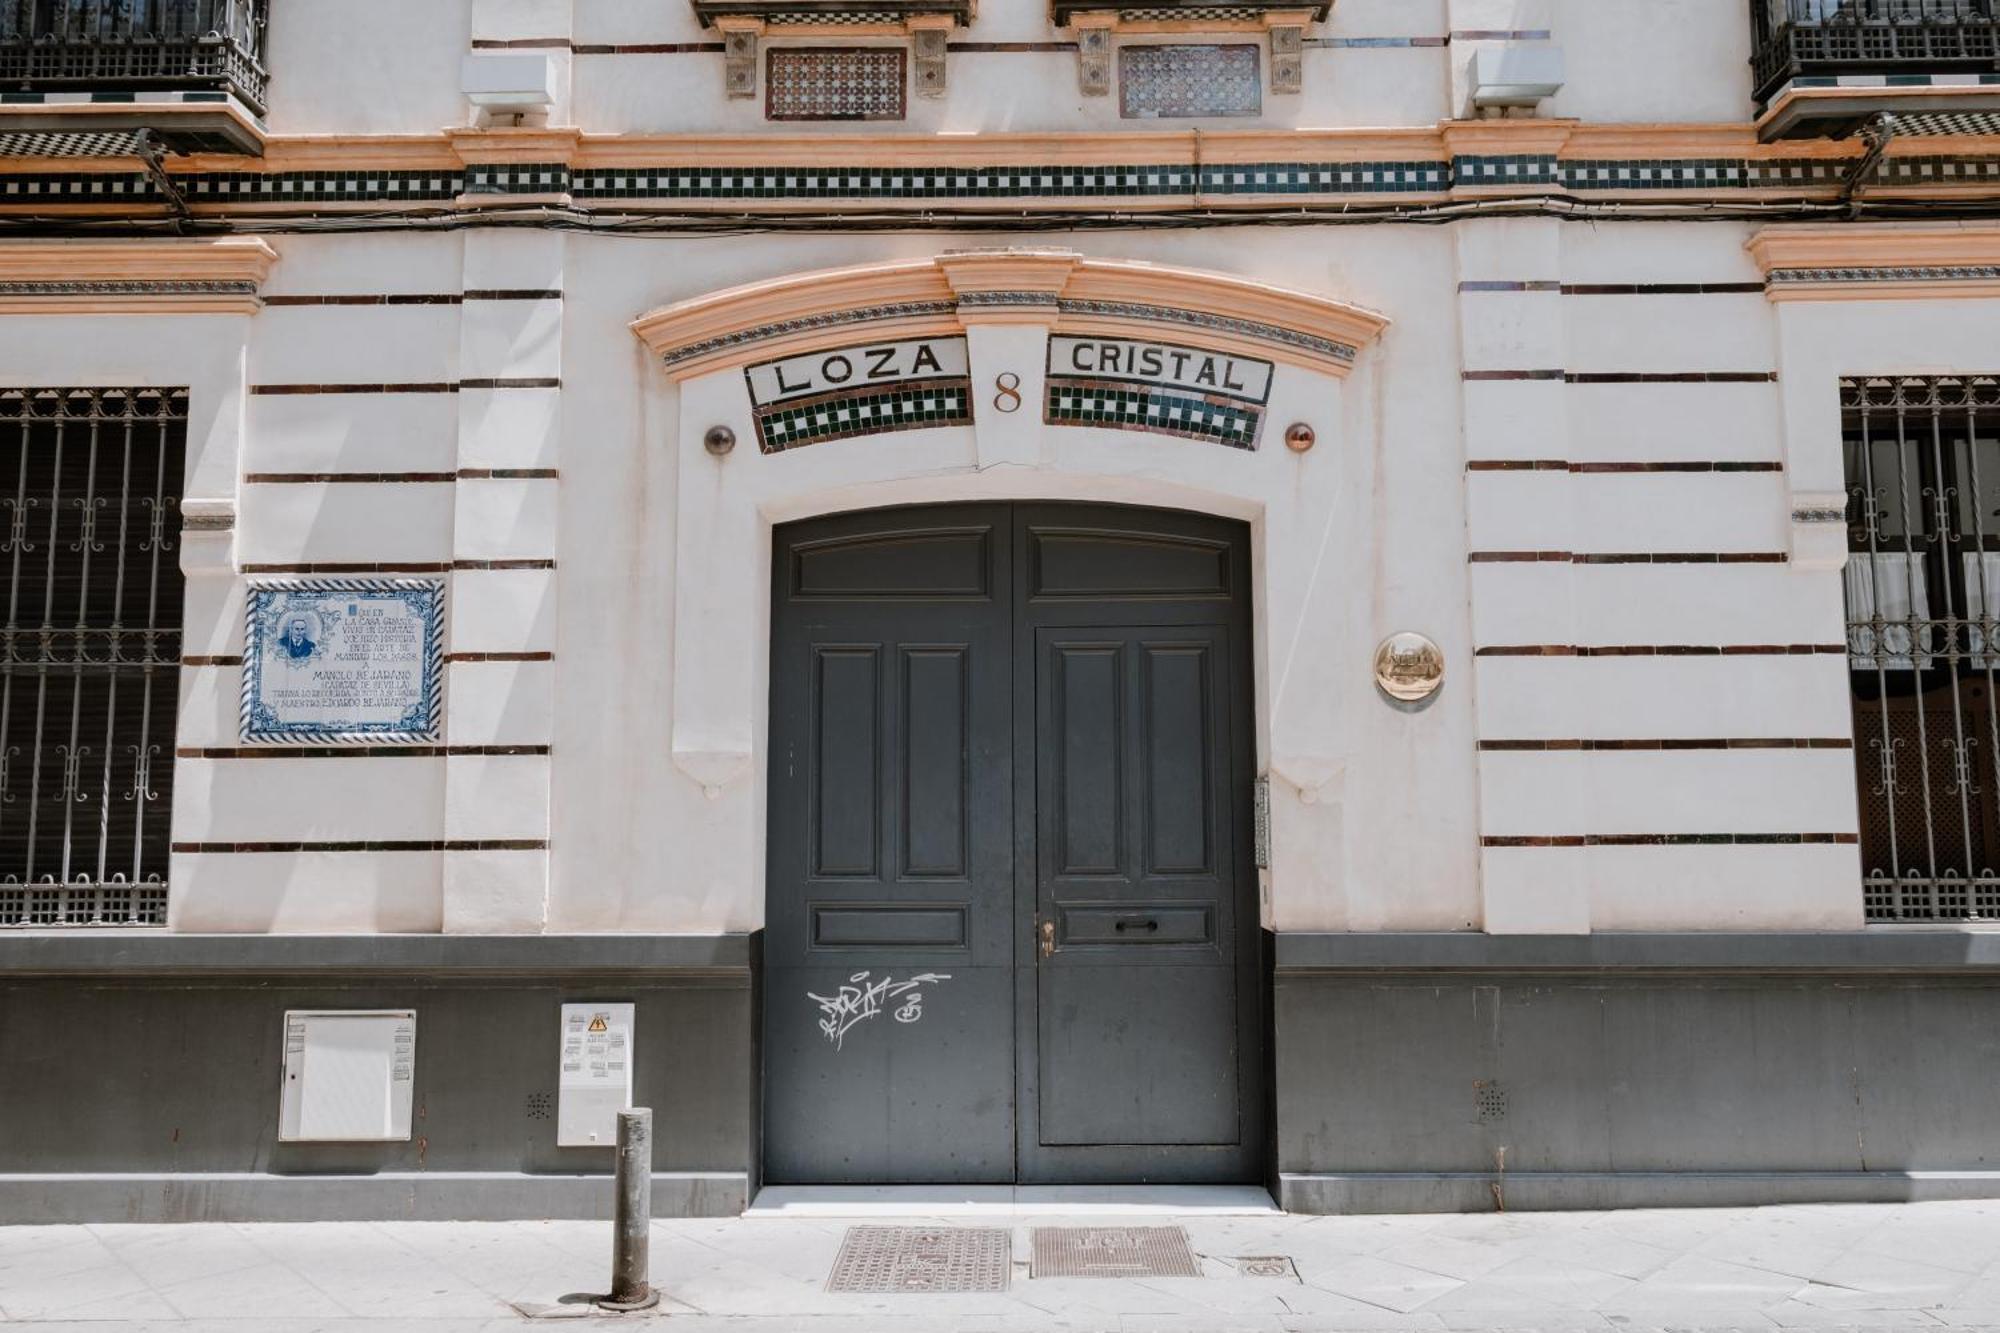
[1791, 38]
[135, 46]
[1922, 458]
[90, 484]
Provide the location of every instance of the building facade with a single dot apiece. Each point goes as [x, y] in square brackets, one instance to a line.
[1392, 599]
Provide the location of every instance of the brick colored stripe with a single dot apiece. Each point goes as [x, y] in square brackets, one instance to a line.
[502, 564]
[1562, 465]
[1510, 286]
[1663, 650]
[1661, 288]
[995, 48]
[526, 382]
[1626, 376]
[644, 48]
[438, 845]
[211, 659]
[335, 478]
[1669, 743]
[351, 567]
[1674, 840]
[508, 474]
[1629, 557]
[354, 751]
[379, 298]
[273, 390]
[513, 294]
[1377, 43]
[1671, 377]
[1500, 34]
[525, 43]
[500, 657]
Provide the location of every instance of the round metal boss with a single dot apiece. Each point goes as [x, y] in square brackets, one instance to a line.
[1409, 667]
[719, 440]
[1300, 437]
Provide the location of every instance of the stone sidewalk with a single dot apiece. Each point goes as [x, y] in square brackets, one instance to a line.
[1914, 1266]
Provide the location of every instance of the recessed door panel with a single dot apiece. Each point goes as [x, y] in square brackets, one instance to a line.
[1010, 934]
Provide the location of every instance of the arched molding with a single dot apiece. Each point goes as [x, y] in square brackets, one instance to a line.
[1054, 288]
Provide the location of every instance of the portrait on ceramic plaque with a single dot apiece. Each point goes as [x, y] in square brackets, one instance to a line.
[343, 661]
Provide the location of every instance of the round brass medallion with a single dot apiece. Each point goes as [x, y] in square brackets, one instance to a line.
[1409, 667]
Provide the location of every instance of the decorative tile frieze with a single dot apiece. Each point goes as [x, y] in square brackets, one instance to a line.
[836, 83]
[1186, 79]
[1519, 169]
[839, 416]
[1079, 402]
[1784, 277]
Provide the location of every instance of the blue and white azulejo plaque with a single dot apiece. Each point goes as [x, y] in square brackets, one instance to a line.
[343, 661]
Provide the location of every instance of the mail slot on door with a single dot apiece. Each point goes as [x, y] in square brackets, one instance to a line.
[1163, 923]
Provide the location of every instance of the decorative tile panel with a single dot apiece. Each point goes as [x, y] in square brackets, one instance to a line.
[839, 416]
[1076, 402]
[836, 83]
[1187, 79]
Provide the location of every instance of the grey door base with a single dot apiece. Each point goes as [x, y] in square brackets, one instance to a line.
[402, 1196]
[1462, 1192]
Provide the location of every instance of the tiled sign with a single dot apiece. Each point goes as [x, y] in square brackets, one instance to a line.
[1128, 384]
[343, 661]
[866, 389]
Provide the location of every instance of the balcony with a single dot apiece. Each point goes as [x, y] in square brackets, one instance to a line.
[190, 71]
[1841, 61]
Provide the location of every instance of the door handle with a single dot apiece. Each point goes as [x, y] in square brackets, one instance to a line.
[1148, 925]
[1048, 946]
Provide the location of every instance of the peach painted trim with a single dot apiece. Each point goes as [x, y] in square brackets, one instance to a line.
[1877, 245]
[456, 148]
[88, 264]
[944, 295]
[1787, 254]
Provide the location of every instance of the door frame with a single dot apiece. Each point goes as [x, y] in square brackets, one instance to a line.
[1251, 1159]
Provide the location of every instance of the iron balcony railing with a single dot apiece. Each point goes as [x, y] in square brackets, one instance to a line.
[1791, 38]
[134, 46]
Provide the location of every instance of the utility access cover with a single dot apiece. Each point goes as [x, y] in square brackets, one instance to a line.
[1113, 1252]
[920, 1259]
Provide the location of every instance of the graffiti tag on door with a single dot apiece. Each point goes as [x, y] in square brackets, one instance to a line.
[862, 998]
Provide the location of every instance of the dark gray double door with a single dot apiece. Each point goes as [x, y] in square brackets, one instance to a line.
[1011, 926]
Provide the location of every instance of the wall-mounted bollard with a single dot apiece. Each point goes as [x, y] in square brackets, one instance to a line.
[632, 1220]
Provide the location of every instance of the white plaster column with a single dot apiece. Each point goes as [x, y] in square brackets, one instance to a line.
[1520, 507]
[500, 683]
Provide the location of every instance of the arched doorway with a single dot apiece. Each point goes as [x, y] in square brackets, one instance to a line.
[1011, 907]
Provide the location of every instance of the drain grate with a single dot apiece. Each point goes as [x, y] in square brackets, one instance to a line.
[879, 1259]
[1267, 1265]
[1113, 1252]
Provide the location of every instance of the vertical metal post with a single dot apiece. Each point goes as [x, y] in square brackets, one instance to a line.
[631, 1289]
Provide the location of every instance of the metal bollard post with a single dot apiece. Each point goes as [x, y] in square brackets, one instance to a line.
[631, 1289]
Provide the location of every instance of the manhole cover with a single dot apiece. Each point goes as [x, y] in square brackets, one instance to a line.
[880, 1259]
[1113, 1252]
[1267, 1265]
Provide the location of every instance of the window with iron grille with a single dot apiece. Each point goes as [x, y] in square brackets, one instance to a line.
[1923, 641]
[90, 483]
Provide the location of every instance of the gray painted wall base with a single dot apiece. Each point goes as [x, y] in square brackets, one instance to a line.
[402, 1196]
[1543, 1191]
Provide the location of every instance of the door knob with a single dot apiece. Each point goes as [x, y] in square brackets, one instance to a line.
[1048, 938]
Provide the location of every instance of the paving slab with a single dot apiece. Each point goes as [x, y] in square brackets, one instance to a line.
[1925, 1266]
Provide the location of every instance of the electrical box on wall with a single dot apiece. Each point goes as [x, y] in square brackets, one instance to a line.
[596, 1082]
[349, 1074]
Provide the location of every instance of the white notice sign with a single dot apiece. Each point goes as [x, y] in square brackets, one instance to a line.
[343, 660]
[846, 369]
[596, 1076]
[1188, 369]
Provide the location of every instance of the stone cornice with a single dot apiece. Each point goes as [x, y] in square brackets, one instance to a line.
[1057, 288]
[1888, 261]
[133, 277]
